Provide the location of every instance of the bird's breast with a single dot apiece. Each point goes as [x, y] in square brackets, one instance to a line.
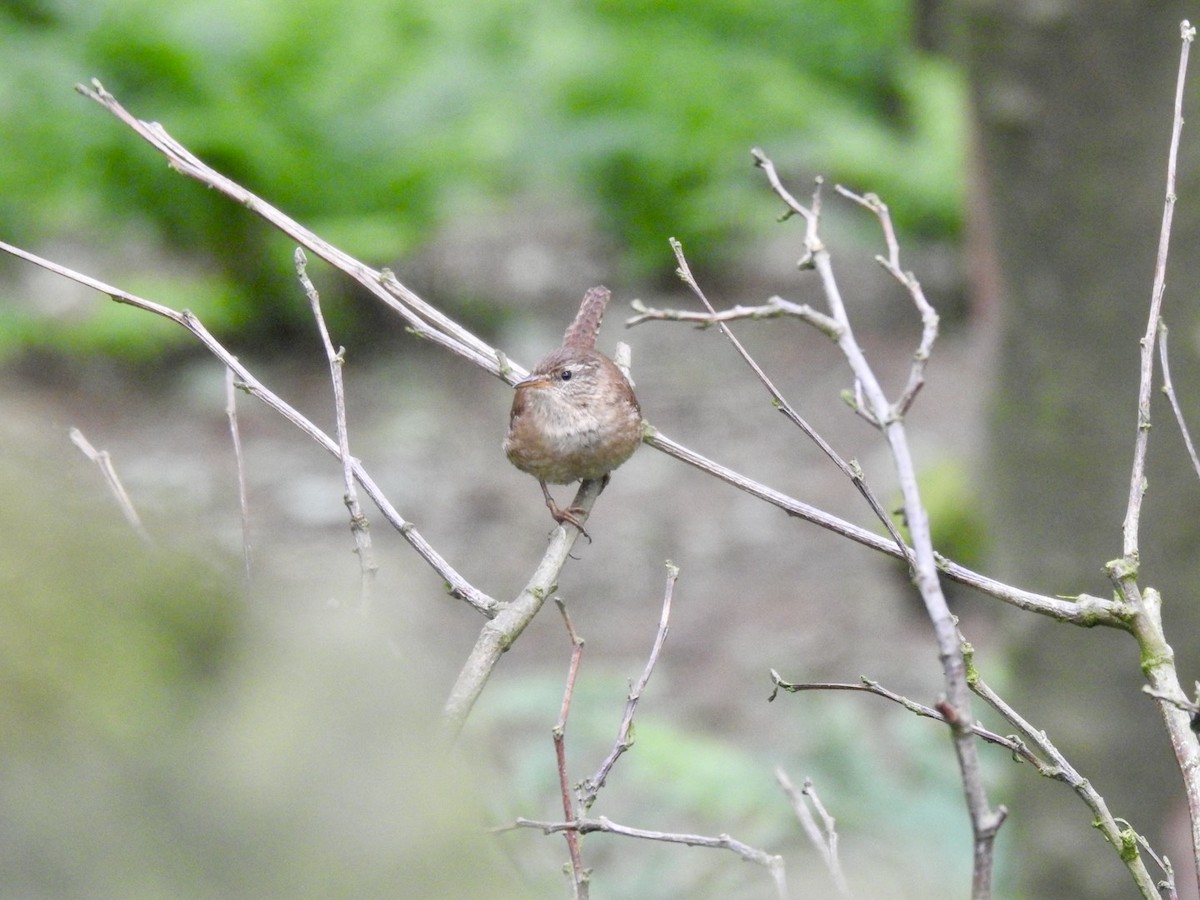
[562, 439]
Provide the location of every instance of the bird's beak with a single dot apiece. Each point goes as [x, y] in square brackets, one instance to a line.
[533, 379]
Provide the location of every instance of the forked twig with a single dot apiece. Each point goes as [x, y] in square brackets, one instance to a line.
[929, 316]
[359, 526]
[1124, 840]
[985, 821]
[591, 786]
[824, 836]
[850, 469]
[104, 462]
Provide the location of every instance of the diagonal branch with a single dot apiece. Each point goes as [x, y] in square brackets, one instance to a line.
[985, 822]
[424, 319]
[850, 469]
[1137, 481]
[103, 461]
[591, 786]
[1123, 840]
[456, 585]
[501, 632]
[1083, 610]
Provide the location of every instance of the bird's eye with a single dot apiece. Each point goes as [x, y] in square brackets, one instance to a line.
[565, 375]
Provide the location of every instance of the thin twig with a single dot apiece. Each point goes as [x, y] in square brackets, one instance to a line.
[239, 459]
[1137, 481]
[359, 526]
[104, 462]
[851, 470]
[456, 585]
[774, 864]
[425, 320]
[985, 822]
[1166, 887]
[774, 308]
[824, 837]
[868, 686]
[591, 787]
[929, 316]
[1169, 389]
[579, 875]
[828, 824]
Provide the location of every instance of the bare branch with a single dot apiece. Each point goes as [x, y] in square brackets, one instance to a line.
[240, 462]
[579, 875]
[773, 864]
[591, 786]
[867, 685]
[851, 471]
[425, 320]
[823, 837]
[359, 526]
[1123, 840]
[456, 585]
[104, 462]
[1169, 389]
[499, 634]
[775, 307]
[1137, 481]
[985, 821]
[1083, 610]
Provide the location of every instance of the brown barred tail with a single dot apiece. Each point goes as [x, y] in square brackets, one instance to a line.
[586, 327]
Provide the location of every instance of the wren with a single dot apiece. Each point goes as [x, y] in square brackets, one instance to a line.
[575, 416]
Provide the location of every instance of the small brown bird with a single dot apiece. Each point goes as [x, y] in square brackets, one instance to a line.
[575, 417]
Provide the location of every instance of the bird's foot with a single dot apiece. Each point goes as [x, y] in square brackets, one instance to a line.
[571, 514]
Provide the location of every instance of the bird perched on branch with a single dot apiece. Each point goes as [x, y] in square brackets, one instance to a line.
[575, 417]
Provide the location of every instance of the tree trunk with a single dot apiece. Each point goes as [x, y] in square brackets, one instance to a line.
[1073, 104]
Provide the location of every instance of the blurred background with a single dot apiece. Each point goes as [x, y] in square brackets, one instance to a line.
[172, 729]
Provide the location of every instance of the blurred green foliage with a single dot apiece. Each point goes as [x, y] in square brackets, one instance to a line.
[375, 122]
[162, 735]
